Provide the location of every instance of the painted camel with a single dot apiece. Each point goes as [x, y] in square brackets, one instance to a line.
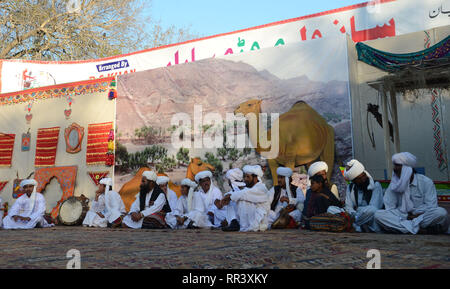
[130, 189]
[304, 137]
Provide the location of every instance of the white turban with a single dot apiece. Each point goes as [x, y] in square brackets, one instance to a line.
[353, 169]
[188, 182]
[254, 170]
[192, 185]
[235, 176]
[202, 175]
[25, 182]
[32, 199]
[161, 180]
[317, 167]
[107, 182]
[401, 185]
[286, 173]
[150, 175]
[405, 159]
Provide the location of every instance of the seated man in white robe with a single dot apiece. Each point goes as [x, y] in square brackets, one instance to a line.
[28, 210]
[286, 199]
[149, 209]
[178, 218]
[225, 215]
[202, 213]
[410, 201]
[107, 209]
[252, 202]
[363, 197]
[235, 178]
[163, 183]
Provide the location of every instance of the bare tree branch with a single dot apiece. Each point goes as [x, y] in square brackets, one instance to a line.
[48, 30]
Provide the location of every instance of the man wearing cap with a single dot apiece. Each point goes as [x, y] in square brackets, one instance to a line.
[410, 201]
[252, 202]
[285, 198]
[163, 183]
[28, 210]
[179, 217]
[107, 209]
[202, 215]
[150, 207]
[363, 197]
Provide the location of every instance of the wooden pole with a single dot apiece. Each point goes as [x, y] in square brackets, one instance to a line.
[387, 145]
[395, 120]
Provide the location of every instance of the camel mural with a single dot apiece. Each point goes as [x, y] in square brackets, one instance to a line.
[130, 189]
[305, 136]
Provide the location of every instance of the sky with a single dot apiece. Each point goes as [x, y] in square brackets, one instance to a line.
[212, 17]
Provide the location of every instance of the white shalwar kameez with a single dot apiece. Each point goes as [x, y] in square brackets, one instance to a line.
[92, 218]
[365, 212]
[296, 202]
[110, 205]
[252, 206]
[22, 207]
[404, 197]
[180, 210]
[227, 213]
[148, 210]
[424, 199]
[202, 204]
[172, 198]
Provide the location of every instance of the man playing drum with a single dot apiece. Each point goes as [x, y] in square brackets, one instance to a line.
[107, 209]
[28, 211]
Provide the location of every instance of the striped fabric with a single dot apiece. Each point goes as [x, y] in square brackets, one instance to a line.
[6, 149]
[97, 143]
[2, 185]
[46, 145]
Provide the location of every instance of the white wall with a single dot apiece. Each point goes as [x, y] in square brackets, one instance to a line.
[87, 109]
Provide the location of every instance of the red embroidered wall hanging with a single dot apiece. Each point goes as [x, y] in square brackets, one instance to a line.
[97, 143]
[46, 145]
[6, 149]
[2, 185]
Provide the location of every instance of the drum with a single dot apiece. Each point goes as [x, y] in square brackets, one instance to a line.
[73, 210]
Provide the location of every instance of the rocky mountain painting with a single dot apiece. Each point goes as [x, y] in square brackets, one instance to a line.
[148, 100]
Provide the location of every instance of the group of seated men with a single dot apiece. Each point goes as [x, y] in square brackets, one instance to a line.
[409, 204]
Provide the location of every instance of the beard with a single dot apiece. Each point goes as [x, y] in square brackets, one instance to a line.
[363, 186]
[144, 188]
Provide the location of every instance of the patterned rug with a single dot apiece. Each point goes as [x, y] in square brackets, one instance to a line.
[203, 249]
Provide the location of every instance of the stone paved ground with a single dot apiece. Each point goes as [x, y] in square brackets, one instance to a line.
[197, 249]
